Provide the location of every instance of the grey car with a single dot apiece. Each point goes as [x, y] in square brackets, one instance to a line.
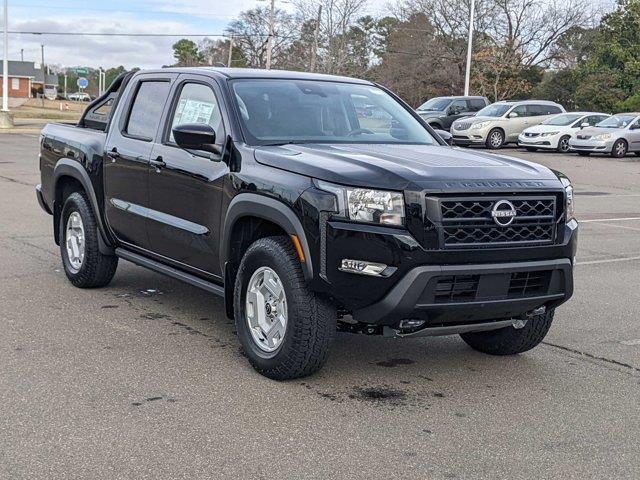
[617, 136]
[441, 112]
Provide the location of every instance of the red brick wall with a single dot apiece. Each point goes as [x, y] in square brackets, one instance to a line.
[22, 92]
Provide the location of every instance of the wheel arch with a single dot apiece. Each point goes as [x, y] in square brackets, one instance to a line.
[70, 176]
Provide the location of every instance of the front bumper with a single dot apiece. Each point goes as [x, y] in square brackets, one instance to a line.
[488, 292]
[469, 136]
[577, 145]
[538, 142]
[41, 201]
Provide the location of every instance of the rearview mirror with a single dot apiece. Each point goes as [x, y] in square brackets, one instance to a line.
[196, 136]
[584, 125]
[446, 136]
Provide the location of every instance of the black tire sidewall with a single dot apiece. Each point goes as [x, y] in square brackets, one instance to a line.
[490, 145]
[560, 143]
[76, 203]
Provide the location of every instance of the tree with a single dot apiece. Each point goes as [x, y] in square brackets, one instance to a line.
[216, 52]
[186, 53]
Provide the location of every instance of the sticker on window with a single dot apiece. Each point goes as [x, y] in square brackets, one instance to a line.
[194, 111]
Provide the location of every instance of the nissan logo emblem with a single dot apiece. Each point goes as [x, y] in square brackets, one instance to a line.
[503, 213]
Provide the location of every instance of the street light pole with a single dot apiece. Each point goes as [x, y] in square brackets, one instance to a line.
[270, 38]
[467, 77]
[5, 60]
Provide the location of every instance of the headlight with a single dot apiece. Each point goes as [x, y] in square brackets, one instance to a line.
[479, 125]
[568, 195]
[602, 136]
[367, 205]
[549, 134]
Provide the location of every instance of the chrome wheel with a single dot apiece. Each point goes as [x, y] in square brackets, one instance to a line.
[495, 139]
[75, 240]
[266, 309]
[564, 145]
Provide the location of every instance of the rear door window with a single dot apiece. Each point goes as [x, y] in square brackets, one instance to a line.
[146, 110]
[476, 104]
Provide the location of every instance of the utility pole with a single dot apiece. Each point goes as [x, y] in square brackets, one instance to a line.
[316, 36]
[65, 86]
[5, 60]
[230, 51]
[270, 38]
[467, 77]
[44, 73]
[22, 54]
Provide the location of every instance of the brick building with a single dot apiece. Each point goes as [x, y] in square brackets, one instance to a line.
[26, 81]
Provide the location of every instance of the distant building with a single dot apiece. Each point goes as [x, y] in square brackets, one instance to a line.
[26, 81]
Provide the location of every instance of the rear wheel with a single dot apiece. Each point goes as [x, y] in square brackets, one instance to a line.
[84, 264]
[285, 329]
[510, 340]
[620, 149]
[563, 144]
[495, 139]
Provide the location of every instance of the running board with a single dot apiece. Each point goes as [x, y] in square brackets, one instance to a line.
[169, 271]
[450, 330]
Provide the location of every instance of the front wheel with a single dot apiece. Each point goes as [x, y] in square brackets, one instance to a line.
[619, 149]
[495, 139]
[84, 264]
[285, 329]
[563, 144]
[510, 340]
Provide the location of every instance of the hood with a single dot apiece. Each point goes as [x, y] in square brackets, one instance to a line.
[478, 119]
[400, 167]
[547, 128]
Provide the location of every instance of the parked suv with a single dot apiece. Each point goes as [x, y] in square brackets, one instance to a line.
[617, 136]
[502, 122]
[555, 132]
[441, 112]
[307, 215]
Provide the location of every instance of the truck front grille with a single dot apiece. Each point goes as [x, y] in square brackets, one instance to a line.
[468, 222]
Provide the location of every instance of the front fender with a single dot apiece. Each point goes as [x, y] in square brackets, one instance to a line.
[267, 208]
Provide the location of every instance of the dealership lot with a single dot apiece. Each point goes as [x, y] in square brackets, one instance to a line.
[145, 378]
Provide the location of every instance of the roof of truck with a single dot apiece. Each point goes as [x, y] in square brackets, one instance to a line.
[234, 73]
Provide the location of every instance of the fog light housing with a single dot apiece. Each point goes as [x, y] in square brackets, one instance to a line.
[362, 267]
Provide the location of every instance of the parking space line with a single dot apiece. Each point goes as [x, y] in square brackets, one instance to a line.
[608, 260]
[620, 226]
[621, 219]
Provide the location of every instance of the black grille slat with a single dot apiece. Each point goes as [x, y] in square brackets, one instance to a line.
[527, 284]
[457, 288]
[467, 222]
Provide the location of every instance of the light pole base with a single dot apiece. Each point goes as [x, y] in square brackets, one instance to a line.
[6, 119]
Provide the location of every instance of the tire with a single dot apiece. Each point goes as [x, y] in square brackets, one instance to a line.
[531, 149]
[620, 149]
[435, 126]
[563, 144]
[584, 154]
[637, 154]
[92, 269]
[511, 341]
[310, 320]
[495, 139]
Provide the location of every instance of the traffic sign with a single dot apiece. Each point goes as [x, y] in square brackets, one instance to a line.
[81, 71]
[82, 82]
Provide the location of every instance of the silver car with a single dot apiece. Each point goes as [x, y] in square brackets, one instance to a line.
[502, 122]
[617, 136]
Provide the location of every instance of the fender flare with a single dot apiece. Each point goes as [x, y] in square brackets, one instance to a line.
[267, 208]
[66, 167]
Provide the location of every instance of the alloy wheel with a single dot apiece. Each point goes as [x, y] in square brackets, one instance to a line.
[620, 149]
[496, 139]
[266, 309]
[564, 145]
[75, 240]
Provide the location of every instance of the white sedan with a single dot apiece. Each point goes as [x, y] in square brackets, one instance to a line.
[555, 132]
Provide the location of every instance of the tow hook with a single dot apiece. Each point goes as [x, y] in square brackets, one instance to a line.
[522, 322]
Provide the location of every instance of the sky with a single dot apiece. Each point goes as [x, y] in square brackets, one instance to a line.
[143, 16]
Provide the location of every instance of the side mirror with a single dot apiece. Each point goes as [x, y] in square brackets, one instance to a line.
[584, 125]
[196, 136]
[446, 136]
[513, 115]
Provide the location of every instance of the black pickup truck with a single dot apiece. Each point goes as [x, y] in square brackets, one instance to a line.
[307, 214]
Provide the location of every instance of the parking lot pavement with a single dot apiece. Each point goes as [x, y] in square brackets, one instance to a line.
[144, 378]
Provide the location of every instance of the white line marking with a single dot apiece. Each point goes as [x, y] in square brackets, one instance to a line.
[631, 343]
[612, 195]
[622, 219]
[608, 260]
[621, 226]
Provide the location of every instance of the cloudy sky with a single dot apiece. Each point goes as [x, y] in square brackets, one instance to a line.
[116, 16]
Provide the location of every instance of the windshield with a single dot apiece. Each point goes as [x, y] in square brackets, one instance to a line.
[562, 120]
[276, 112]
[617, 121]
[495, 110]
[435, 105]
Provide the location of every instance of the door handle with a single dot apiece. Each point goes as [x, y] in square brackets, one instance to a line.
[158, 163]
[113, 154]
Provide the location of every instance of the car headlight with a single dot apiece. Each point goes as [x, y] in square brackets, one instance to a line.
[367, 205]
[568, 197]
[479, 125]
[549, 134]
[602, 136]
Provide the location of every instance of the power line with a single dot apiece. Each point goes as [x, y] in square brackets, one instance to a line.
[121, 34]
[121, 10]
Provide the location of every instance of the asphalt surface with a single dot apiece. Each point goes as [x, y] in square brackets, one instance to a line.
[144, 378]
